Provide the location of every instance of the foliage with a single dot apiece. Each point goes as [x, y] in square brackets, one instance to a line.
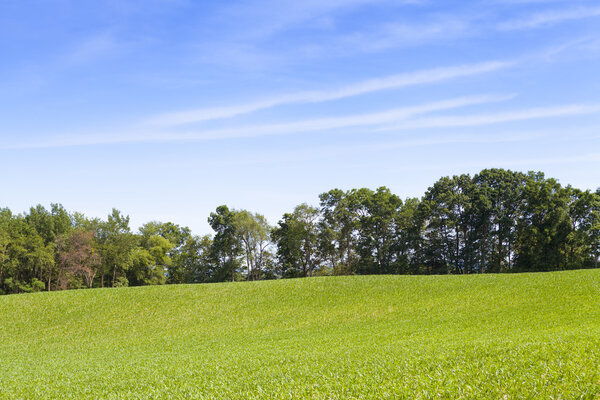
[77, 257]
[495, 221]
[297, 242]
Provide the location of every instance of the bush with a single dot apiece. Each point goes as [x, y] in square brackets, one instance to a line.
[121, 282]
[37, 285]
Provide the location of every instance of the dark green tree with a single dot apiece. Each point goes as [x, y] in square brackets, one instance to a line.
[296, 239]
[226, 247]
[378, 217]
[116, 243]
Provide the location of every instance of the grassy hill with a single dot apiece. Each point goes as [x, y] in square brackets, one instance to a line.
[487, 336]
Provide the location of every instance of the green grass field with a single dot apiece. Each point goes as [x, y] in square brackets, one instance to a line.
[489, 336]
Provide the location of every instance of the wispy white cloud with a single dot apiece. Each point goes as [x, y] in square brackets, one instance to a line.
[90, 49]
[247, 47]
[344, 150]
[83, 52]
[325, 35]
[548, 18]
[590, 157]
[395, 35]
[496, 118]
[532, 163]
[559, 49]
[513, 2]
[372, 85]
[361, 120]
[503, 137]
[263, 18]
[303, 126]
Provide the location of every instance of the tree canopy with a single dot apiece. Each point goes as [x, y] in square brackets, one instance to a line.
[496, 221]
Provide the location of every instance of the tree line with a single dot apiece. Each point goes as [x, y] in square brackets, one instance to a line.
[493, 222]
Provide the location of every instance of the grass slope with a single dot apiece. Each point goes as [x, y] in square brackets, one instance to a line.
[490, 336]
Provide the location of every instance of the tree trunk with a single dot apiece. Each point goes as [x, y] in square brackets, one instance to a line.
[509, 265]
[248, 267]
[305, 267]
[2, 268]
[348, 249]
[257, 262]
[482, 257]
[90, 278]
[457, 256]
[59, 280]
[50, 278]
[500, 253]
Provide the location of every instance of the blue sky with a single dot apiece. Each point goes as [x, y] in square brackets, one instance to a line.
[166, 109]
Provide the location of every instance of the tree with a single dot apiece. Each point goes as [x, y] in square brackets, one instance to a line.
[447, 206]
[296, 240]
[150, 261]
[117, 244]
[591, 226]
[253, 232]
[543, 227]
[5, 240]
[178, 237]
[496, 221]
[226, 247]
[498, 207]
[408, 238]
[78, 259]
[338, 230]
[378, 216]
[196, 261]
[580, 206]
[49, 224]
[26, 259]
